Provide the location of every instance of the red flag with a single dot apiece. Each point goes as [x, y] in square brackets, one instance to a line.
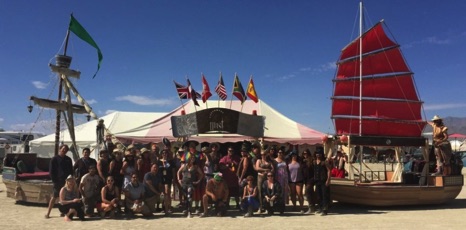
[205, 89]
[220, 89]
[251, 91]
[192, 93]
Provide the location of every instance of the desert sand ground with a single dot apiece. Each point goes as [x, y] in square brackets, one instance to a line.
[447, 216]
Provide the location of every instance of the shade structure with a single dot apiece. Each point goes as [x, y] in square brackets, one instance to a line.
[278, 128]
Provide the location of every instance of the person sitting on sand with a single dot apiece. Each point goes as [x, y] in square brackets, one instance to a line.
[216, 193]
[111, 196]
[70, 203]
[250, 201]
[134, 196]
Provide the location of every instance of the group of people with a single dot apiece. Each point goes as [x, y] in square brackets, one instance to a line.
[261, 179]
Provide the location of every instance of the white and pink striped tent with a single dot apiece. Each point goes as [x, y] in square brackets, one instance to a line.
[278, 128]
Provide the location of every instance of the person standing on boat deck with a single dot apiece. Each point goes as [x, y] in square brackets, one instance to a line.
[339, 161]
[442, 146]
[60, 168]
[81, 166]
[90, 190]
[322, 175]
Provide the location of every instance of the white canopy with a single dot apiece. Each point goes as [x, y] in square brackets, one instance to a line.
[278, 128]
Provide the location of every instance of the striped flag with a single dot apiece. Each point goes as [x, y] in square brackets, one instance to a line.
[251, 91]
[220, 89]
[192, 93]
[205, 90]
[238, 90]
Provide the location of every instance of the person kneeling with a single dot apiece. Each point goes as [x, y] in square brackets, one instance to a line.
[70, 203]
[216, 193]
[272, 193]
[134, 196]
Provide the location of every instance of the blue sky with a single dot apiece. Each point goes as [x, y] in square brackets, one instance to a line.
[290, 48]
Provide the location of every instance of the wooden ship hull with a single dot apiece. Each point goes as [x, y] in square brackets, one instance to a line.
[30, 184]
[439, 190]
[31, 191]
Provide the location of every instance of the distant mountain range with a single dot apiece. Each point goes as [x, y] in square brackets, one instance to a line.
[454, 124]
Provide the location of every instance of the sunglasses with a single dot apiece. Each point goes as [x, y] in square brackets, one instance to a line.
[269, 175]
[109, 180]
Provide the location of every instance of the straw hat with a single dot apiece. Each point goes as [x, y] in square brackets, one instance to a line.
[436, 118]
[144, 150]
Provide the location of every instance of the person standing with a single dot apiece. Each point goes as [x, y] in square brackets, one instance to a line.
[81, 166]
[60, 168]
[189, 175]
[322, 175]
[442, 146]
[228, 167]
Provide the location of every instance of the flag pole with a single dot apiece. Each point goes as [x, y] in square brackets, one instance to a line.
[218, 105]
[233, 89]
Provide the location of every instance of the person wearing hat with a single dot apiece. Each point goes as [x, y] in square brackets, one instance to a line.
[216, 193]
[442, 146]
[228, 167]
[215, 147]
[60, 168]
[190, 176]
[70, 203]
[129, 166]
[115, 168]
[176, 184]
[322, 175]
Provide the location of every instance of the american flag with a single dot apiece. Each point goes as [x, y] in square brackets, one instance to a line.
[220, 89]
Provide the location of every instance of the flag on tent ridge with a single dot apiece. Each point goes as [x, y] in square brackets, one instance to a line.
[238, 90]
[79, 31]
[205, 89]
[251, 91]
[192, 93]
[220, 89]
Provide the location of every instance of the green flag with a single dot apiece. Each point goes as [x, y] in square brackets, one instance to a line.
[79, 31]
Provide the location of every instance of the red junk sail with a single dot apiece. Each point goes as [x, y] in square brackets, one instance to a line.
[390, 105]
